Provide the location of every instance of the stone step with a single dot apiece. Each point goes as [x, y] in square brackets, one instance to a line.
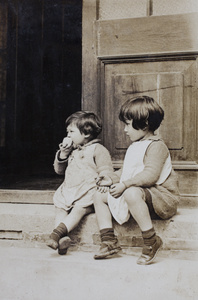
[34, 222]
[46, 197]
[26, 196]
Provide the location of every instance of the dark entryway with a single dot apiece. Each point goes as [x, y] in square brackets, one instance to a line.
[43, 85]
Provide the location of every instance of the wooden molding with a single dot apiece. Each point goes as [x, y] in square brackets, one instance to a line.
[152, 57]
[177, 165]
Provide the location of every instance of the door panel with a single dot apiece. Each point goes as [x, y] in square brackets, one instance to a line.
[170, 84]
[126, 87]
[171, 99]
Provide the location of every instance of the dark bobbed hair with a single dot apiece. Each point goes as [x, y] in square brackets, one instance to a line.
[86, 122]
[144, 112]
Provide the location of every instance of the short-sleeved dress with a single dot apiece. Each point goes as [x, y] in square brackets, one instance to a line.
[81, 169]
[147, 164]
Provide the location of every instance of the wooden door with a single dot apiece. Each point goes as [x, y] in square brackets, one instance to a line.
[40, 80]
[155, 56]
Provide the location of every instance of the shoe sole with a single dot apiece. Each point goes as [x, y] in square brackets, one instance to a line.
[63, 245]
[150, 261]
[105, 255]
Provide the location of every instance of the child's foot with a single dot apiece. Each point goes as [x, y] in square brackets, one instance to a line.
[52, 243]
[63, 245]
[107, 249]
[149, 252]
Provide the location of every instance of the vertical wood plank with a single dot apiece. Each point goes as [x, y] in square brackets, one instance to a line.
[90, 78]
[171, 86]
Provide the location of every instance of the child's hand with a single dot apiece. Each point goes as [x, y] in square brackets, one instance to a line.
[117, 189]
[66, 143]
[103, 183]
[65, 147]
[102, 189]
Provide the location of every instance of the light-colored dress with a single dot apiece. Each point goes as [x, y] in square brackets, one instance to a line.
[134, 165]
[81, 169]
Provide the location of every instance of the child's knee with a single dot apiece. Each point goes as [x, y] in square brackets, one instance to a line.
[83, 211]
[100, 198]
[60, 212]
[133, 194]
[78, 210]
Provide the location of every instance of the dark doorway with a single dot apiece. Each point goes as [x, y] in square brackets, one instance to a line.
[43, 86]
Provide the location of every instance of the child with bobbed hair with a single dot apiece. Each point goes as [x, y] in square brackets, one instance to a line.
[146, 187]
[81, 158]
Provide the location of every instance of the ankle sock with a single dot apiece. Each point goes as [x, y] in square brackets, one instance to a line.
[149, 237]
[59, 232]
[107, 234]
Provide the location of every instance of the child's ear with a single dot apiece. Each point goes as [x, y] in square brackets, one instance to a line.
[146, 126]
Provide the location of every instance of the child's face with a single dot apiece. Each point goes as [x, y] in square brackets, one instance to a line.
[74, 133]
[134, 134]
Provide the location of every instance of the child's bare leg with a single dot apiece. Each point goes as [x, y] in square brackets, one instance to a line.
[71, 221]
[60, 214]
[109, 245]
[75, 216]
[138, 208]
[102, 211]
[60, 229]
[65, 222]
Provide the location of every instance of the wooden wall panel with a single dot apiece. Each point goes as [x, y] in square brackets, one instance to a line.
[126, 86]
[116, 9]
[91, 76]
[172, 7]
[171, 85]
[190, 111]
[171, 99]
[159, 34]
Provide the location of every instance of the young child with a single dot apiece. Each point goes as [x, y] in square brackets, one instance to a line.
[82, 159]
[147, 184]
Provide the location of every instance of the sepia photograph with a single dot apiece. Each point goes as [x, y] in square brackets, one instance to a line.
[98, 149]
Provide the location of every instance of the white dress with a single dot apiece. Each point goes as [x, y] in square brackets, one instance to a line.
[79, 185]
[134, 164]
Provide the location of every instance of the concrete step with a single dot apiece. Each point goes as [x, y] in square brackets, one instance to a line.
[46, 197]
[26, 196]
[34, 222]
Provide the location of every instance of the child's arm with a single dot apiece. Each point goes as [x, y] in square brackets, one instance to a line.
[106, 174]
[61, 157]
[154, 160]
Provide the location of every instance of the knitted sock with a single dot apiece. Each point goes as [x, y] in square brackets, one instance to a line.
[149, 237]
[59, 232]
[107, 234]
